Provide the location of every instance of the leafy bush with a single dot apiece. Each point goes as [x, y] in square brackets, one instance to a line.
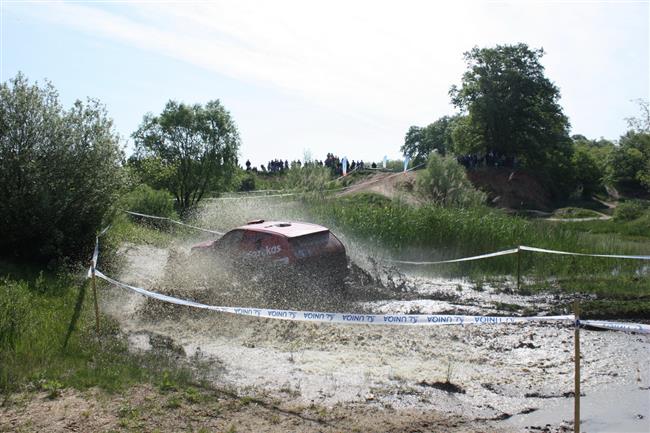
[640, 226]
[630, 162]
[60, 170]
[628, 211]
[144, 199]
[247, 183]
[445, 183]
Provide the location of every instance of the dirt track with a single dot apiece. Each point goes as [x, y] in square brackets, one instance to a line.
[286, 376]
[390, 185]
[144, 408]
[510, 377]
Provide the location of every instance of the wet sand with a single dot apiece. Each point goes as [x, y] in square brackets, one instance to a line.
[515, 377]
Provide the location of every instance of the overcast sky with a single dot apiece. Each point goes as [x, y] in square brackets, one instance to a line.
[348, 77]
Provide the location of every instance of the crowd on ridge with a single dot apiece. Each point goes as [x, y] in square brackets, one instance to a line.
[333, 162]
[490, 159]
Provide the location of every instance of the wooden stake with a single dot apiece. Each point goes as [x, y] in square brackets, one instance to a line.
[94, 285]
[518, 269]
[576, 356]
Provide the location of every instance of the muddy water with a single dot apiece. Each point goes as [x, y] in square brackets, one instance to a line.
[513, 376]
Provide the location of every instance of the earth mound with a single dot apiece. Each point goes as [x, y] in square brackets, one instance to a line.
[510, 188]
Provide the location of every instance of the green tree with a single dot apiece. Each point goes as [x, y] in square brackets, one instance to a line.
[60, 171]
[630, 162]
[513, 109]
[150, 170]
[466, 138]
[600, 151]
[196, 145]
[420, 142]
[588, 174]
[642, 122]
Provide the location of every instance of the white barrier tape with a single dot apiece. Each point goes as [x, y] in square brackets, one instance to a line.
[256, 191]
[613, 256]
[252, 197]
[260, 196]
[175, 222]
[349, 318]
[618, 326]
[464, 259]
[95, 257]
[522, 248]
[103, 232]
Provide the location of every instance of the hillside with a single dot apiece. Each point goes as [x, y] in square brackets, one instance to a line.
[512, 189]
[506, 188]
[390, 185]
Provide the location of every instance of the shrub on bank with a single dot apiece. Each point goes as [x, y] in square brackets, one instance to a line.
[247, 183]
[629, 210]
[445, 183]
[60, 171]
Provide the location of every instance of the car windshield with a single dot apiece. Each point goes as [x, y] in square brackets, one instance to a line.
[313, 244]
[230, 239]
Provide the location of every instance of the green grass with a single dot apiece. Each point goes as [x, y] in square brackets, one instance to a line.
[35, 313]
[636, 230]
[125, 228]
[430, 233]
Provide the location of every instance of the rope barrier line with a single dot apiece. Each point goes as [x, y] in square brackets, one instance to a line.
[251, 197]
[95, 256]
[328, 317]
[351, 318]
[175, 222]
[516, 250]
[618, 326]
[260, 196]
[378, 319]
[408, 262]
[463, 259]
[613, 256]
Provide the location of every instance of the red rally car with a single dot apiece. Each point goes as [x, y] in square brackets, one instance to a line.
[289, 251]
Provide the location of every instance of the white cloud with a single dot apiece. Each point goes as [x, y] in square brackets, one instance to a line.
[378, 62]
[385, 64]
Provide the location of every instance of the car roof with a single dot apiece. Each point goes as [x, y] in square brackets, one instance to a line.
[289, 229]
